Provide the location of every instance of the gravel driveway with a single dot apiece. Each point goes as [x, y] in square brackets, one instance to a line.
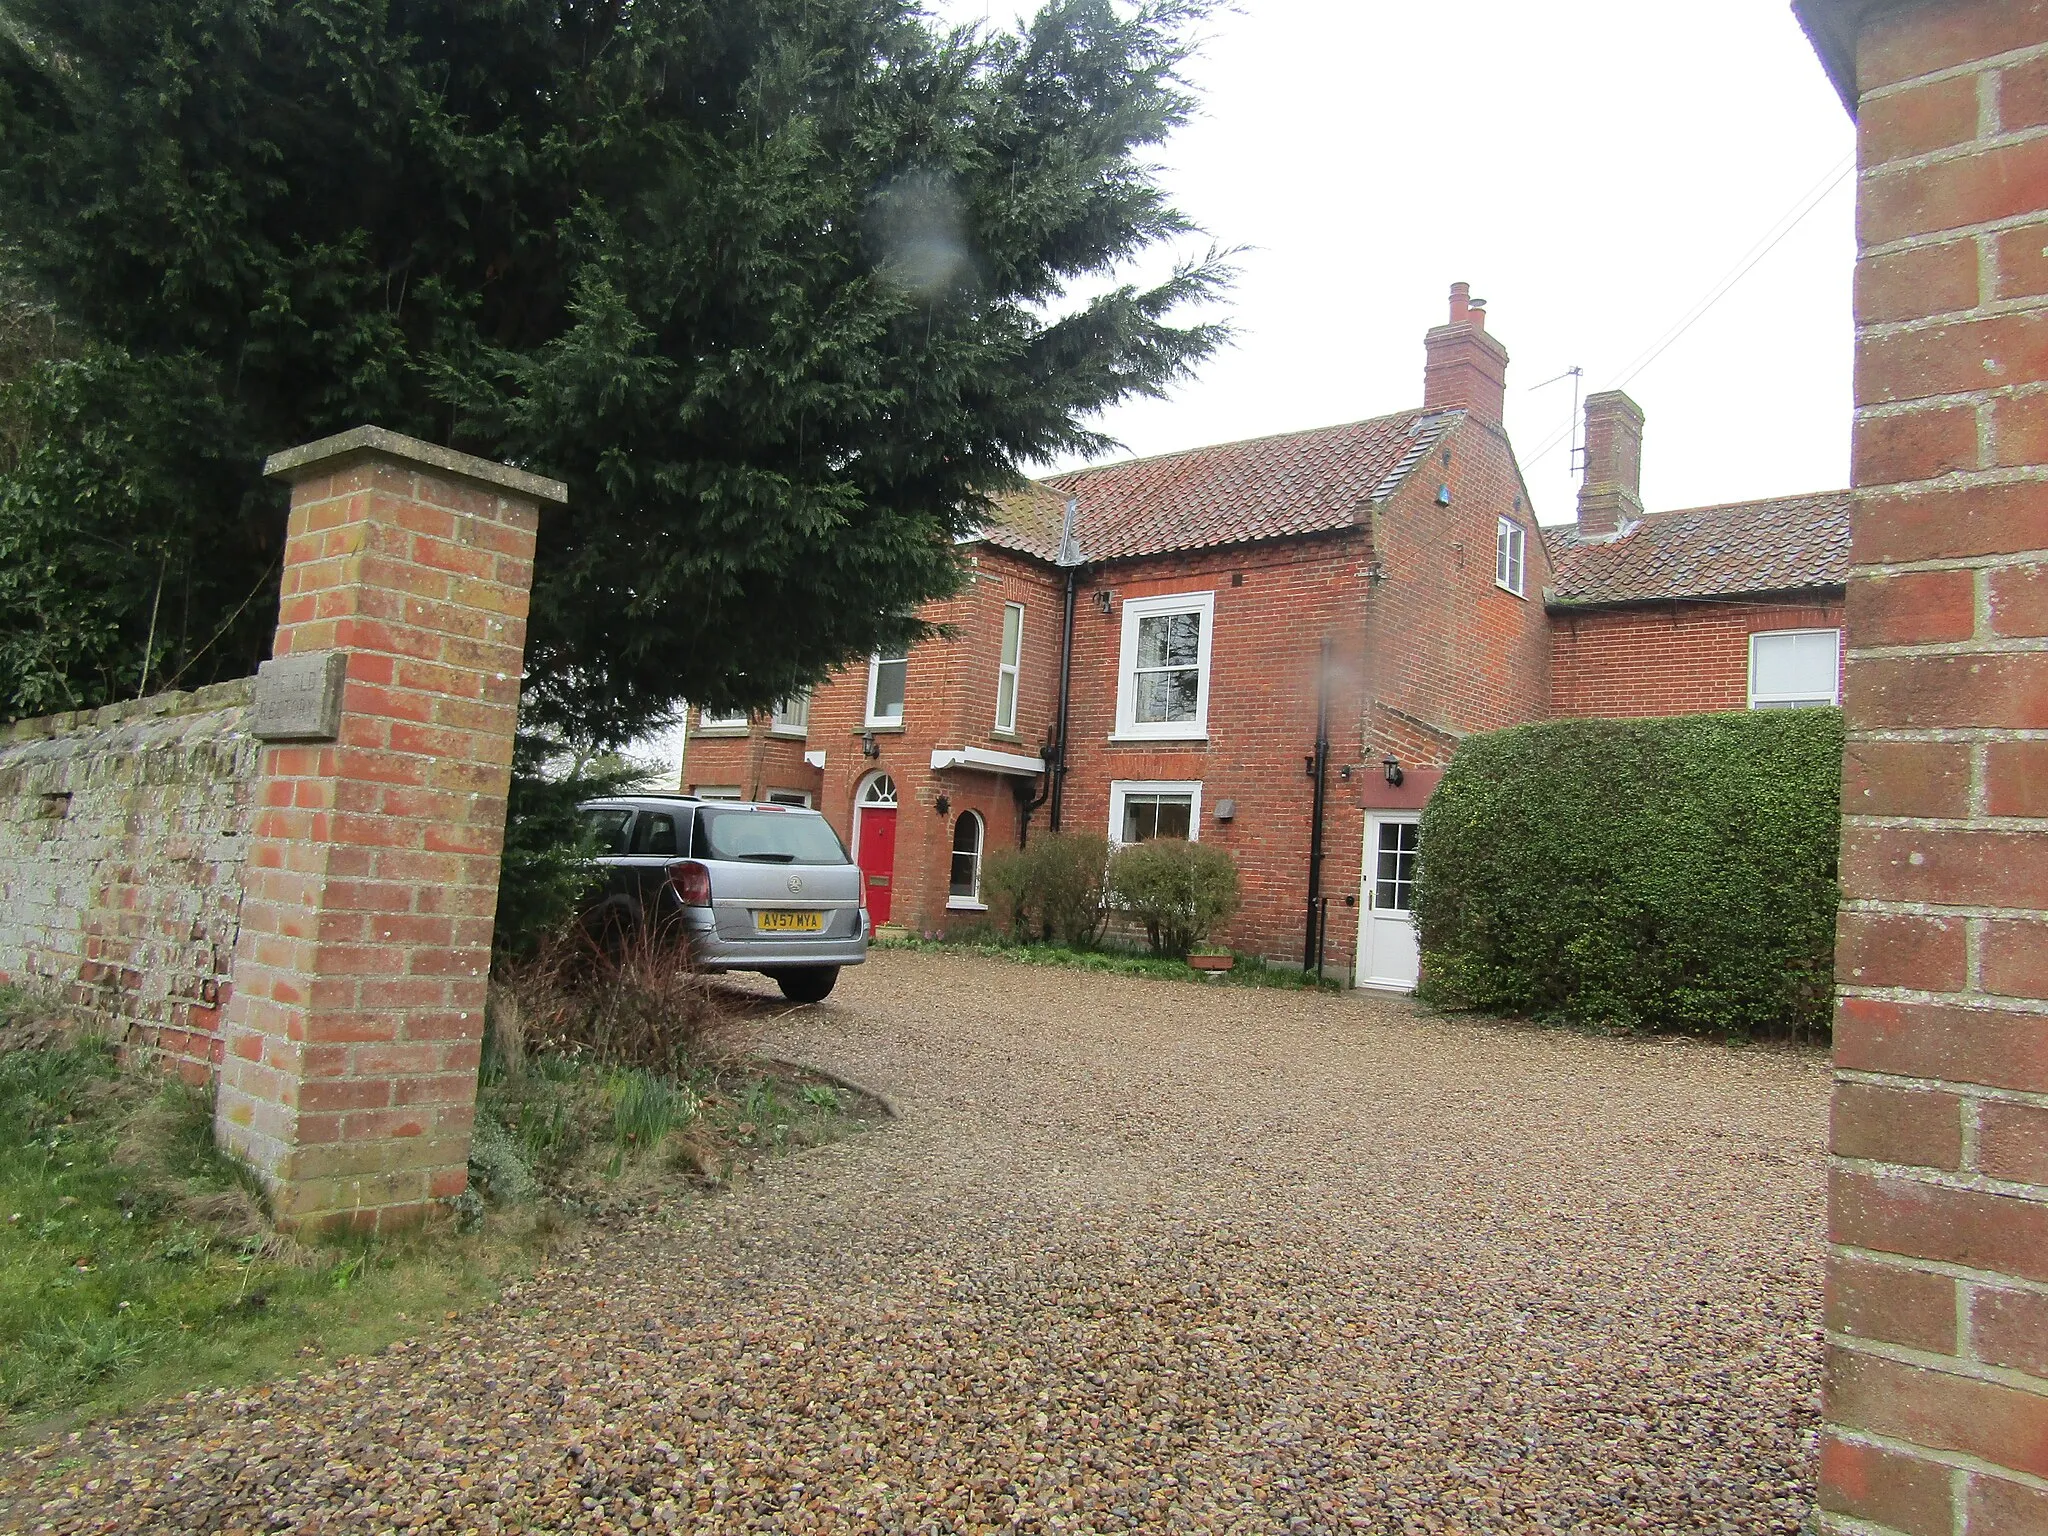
[1136, 1254]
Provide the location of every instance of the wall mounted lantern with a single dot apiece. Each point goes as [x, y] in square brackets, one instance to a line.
[1105, 599]
[869, 747]
[1393, 768]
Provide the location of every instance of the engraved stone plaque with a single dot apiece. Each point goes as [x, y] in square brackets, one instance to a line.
[298, 698]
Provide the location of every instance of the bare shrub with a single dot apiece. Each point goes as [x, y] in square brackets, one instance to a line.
[1053, 887]
[630, 1000]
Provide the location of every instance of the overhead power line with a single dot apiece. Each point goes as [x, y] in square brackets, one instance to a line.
[1771, 239]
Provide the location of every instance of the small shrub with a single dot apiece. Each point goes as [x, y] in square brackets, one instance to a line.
[631, 1002]
[1664, 874]
[1179, 891]
[1053, 887]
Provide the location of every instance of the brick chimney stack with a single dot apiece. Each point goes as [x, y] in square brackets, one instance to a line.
[1611, 495]
[1467, 368]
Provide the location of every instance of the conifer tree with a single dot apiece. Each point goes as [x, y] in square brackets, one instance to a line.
[785, 289]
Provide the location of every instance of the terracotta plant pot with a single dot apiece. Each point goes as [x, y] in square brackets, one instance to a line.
[1212, 962]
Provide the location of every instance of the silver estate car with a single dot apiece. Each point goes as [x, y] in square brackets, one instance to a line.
[765, 888]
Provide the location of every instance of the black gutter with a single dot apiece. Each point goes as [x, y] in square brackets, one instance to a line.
[1311, 958]
[1070, 557]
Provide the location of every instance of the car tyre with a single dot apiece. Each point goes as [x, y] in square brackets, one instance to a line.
[807, 983]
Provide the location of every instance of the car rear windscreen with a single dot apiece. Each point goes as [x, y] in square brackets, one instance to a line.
[766, 837]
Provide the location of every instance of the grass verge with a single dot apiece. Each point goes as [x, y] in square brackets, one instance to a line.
[137, 1262]
[1248, 971]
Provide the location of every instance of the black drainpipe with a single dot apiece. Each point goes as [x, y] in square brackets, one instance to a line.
[1070, 557]
[1320, 768]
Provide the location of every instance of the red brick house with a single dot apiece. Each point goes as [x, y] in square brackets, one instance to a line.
[1388, 571]
[1665, 613]
[1147, 649]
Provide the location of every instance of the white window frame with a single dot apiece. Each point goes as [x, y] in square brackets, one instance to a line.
[973, 901]
[1009, 671]
[718, 792]
[737, 721]
[789, 797]
[1759, 700]
[1511, 557]
[1120, 790]
[1137, 609]
[792, 716]
[875, 664]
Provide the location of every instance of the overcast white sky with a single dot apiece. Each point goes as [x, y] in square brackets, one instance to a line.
[1594, 168]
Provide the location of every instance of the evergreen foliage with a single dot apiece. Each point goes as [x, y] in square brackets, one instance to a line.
[1661, 874]
[547, 875]
[784, 289]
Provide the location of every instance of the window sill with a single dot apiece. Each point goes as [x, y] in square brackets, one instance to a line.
[781, 735]
[718, 733]
[963, 904]
[1016, 736]
[1501, 586]
[879, 730]
[1121, 738]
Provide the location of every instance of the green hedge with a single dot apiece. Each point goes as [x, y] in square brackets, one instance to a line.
[1671, 874]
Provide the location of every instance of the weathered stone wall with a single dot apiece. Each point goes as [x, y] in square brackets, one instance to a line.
[123, 834]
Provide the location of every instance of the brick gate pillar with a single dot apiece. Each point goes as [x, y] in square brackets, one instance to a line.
[1936, 1396]
[356, 1019]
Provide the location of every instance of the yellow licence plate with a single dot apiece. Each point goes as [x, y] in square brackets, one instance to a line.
[789, 922]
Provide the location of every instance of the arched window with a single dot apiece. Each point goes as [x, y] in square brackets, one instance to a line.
[880, 790]
[966, 858]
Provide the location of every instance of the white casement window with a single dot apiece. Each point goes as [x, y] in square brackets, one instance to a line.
[792, 715]
[717, 792]
[1140, 812]
[1793, 668]
[716, 720]
[886, 676]
[1162, 691]
[964, 892]
[1510, 546]
[789, 797]
[1006, 669]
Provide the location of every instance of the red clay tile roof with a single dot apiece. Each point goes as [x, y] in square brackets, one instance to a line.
[1234, 493]
[1784, 544]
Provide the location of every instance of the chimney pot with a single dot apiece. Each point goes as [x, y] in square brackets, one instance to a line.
[1611, 495]
[1466, 369]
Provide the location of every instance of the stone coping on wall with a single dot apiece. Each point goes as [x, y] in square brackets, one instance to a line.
[331, 453]
[157, 706]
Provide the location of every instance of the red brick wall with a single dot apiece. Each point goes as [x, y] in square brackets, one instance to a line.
[1274, 603]
[1936, 1395]
[755, 761]
[1671, 659]
[949, 703]
[1447, 650]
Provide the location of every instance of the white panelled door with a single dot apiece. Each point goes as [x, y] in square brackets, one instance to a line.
[1388, 957]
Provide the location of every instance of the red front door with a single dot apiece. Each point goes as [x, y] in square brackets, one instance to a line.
[877, 842]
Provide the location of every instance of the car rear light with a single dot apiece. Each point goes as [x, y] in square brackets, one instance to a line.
[692, 882]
